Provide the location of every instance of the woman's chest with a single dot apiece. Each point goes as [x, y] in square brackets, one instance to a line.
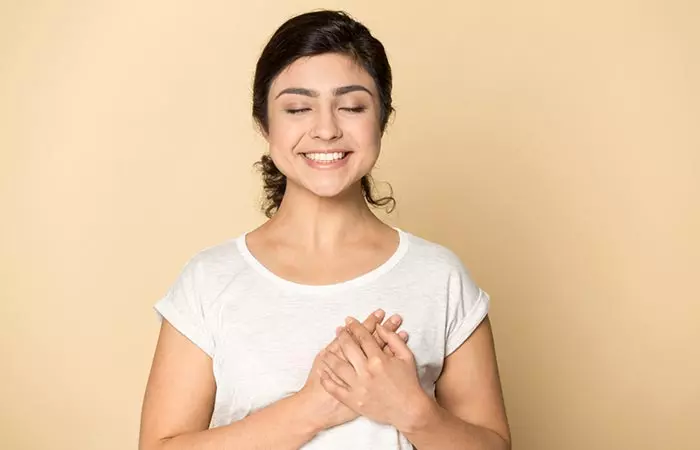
[265, 348]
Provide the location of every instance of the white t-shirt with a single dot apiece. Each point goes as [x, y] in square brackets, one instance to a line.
[263, 332]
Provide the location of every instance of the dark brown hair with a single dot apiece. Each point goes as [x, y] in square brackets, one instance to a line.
[311, 34]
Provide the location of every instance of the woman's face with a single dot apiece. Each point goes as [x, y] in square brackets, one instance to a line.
[324, 132]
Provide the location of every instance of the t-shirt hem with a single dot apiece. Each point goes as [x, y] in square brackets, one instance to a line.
[166, 310]
[471, 321]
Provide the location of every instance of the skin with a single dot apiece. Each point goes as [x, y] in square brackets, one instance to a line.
[321, 103]
[324, 233]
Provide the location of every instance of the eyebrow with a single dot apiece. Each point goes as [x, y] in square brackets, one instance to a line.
[336, 92]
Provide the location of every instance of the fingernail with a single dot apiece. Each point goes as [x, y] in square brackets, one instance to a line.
[348, 320]
[379, 313]
[396, 319]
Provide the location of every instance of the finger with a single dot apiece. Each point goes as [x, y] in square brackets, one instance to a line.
[364, 338]
[391, 323]
[395, 343]
[373, 319]
[336, 379]
[380, 342]
[334, 347]
[336, 390]
[370, 323]
[340, 370]
[352, 351]
[387, 349]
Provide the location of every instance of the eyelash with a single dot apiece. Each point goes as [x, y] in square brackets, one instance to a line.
[297, 111]
[355, 110]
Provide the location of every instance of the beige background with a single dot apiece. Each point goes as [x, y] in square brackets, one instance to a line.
[553, 145]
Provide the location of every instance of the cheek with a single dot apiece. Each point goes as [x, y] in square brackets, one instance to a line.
[283, 136]
[368, 135]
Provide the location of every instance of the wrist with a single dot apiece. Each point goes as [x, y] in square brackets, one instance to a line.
[423, 412]
[306, 414]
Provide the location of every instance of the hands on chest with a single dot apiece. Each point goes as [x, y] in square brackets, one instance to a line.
[367, 370]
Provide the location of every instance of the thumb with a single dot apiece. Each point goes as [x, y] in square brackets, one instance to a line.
[395, 343]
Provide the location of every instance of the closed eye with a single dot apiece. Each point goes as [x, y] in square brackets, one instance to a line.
[356, 109]
[297, 110]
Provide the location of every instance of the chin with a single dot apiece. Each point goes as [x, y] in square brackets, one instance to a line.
[328, 192]
[331, 190]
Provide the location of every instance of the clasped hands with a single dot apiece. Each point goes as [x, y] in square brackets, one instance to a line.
[368, 370]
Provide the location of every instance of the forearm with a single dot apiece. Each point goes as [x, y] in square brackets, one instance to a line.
[282, 425]
[437, 429]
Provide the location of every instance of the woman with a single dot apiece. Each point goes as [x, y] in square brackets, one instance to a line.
[246, 357]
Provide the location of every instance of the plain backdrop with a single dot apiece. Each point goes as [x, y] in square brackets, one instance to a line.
[553, 145]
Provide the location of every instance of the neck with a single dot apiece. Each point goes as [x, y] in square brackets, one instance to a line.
[320, 222]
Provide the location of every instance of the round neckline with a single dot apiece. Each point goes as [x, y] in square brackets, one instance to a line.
[359, 280]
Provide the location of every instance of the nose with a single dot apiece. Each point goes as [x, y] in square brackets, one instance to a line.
[326, 126]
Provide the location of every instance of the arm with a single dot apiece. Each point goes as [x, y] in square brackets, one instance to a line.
[179, 402]
[469, 412]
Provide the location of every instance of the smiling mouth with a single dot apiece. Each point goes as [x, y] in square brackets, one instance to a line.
[325, 157]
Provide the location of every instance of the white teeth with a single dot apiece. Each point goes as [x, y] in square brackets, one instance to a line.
[325, 157]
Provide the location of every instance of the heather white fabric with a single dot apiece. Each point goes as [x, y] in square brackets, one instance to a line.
[263, 332]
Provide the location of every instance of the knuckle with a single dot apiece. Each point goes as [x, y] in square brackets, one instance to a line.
[334, 364]
[363, 393]
[375, 363]
[364, 338]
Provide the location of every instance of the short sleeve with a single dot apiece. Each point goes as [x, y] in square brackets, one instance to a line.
[467, 306]
[182, 307]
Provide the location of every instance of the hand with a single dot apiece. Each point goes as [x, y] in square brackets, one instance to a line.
[381, 384]
[326, 411]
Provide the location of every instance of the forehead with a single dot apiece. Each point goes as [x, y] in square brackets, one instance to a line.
[322, 73]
